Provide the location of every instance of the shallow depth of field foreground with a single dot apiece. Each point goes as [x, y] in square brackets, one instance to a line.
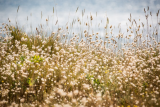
[83, 69]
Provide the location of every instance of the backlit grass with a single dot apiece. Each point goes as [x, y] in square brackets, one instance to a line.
[85, 70]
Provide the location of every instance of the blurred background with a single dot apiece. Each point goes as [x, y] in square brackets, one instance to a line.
[29, 14]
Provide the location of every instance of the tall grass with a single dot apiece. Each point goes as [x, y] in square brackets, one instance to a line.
[85, 70]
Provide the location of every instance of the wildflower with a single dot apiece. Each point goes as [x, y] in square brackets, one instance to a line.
[22, 100]
[57, 105]
[99, 96]
[120, 71]
[106, 71]
[66, 105]
[84, 100]
[99, 77]
[61, 92]
[75, 92]
[73, 100]
[86, 86]
[107, 36]
[70, 94]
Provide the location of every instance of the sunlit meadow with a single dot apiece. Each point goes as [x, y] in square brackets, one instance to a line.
[63, 68]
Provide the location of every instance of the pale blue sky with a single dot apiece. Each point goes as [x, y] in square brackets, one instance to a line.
[118, 11]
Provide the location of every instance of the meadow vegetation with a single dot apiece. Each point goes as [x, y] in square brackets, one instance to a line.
[83, 71]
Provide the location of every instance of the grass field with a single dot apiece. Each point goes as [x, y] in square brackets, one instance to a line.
[81, 70]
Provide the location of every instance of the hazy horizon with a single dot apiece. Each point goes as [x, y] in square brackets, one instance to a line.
[66, 11]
